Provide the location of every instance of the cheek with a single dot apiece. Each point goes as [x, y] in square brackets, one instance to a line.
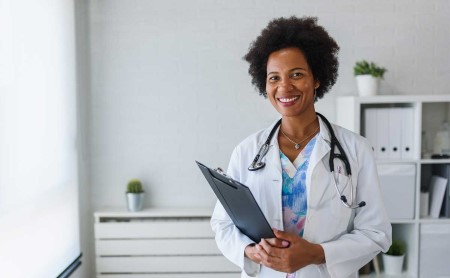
[305, 86]
[270, 89]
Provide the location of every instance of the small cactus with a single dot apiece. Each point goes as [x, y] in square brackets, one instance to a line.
[134, 186]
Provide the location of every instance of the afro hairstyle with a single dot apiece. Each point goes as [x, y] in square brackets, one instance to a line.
[319, 48]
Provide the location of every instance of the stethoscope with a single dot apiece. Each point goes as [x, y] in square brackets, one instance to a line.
[259, 164]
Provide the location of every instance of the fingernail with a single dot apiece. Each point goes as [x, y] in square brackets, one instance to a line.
[284, 243]
[275, 230]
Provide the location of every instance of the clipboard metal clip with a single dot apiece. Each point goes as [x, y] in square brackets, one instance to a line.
[220, 171]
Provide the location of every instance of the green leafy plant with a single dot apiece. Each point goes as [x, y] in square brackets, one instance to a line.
[134, 186]
[364, 67]
[397, 248]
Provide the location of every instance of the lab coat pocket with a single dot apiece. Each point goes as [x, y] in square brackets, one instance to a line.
[342, 214]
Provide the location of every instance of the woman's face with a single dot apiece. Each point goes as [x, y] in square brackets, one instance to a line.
[290, 83]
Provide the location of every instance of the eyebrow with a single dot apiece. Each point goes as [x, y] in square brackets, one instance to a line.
[298, 68]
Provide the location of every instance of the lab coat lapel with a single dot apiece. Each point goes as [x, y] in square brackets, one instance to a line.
[316, 189]
[273, 177]
[272, 158]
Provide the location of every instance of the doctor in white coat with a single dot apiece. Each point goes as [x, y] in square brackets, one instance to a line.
[318, 234]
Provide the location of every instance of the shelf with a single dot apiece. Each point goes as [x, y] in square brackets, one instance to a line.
[428, 113]
[388, 99]
[403, 221]
[435, 161]
[434, 220]
[154, 213]
[383, 275]
[396, 161]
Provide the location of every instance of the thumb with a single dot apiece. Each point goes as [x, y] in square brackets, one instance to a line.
[283, 235]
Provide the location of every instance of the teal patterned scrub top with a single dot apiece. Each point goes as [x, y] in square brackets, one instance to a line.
[294, 191]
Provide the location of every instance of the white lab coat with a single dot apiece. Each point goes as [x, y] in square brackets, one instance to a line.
[349, 237]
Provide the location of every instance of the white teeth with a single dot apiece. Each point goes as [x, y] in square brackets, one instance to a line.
[288, 99]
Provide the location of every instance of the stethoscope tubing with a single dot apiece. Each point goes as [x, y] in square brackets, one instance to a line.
[258, 164]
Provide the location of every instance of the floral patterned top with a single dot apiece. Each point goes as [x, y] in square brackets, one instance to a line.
[294, 189]
[294, 198]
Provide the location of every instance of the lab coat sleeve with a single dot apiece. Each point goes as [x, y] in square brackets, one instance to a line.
[372, 231]
[230, 241]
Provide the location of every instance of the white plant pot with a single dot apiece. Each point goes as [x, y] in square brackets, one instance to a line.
[367, 85]
[135, 201]
[393, 265]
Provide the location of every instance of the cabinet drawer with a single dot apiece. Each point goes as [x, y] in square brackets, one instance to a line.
[154, 229]
[168, 264]
[156, 247]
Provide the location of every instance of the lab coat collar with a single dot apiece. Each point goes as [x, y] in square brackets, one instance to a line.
[324, 134]
[321, 149]
[273, 155]
[322, 146]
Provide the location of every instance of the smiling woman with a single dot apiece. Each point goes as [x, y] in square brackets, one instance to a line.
[303, 189]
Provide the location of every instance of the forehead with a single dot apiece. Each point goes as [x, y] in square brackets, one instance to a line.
[286, 59]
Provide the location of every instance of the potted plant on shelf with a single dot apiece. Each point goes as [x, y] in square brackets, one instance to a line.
[394, 257]
[368, 75]
[135, 195]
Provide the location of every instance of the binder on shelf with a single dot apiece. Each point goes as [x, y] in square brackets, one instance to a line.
[370, 126]
[443, 170]
[394, 136]
[382, 142]
[437, 189]
[424, 204]
[407, 147]
[391, 131]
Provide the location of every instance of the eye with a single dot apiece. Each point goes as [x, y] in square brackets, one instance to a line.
[273, 78]
[296, 75]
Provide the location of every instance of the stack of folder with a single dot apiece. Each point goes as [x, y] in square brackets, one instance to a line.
[391, 132]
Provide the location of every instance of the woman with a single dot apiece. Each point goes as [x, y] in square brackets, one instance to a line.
[318, 233]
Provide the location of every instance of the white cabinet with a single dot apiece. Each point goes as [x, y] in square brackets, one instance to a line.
[413, 135]
[166, 243]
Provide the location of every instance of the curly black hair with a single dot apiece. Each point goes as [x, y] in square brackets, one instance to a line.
[319, 48]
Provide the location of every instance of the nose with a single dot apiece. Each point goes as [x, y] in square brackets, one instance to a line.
[285, 86]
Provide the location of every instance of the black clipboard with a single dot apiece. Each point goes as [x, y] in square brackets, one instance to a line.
[239, 203]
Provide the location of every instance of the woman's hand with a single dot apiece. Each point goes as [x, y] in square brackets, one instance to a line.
[290, 257]
[251, 250]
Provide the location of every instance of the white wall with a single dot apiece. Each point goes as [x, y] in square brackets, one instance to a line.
[39, 234]
[168, 85]
[86, 269]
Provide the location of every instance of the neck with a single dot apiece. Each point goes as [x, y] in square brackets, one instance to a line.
[299, 127]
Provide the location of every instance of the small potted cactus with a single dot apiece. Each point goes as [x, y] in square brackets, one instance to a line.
[135, 195]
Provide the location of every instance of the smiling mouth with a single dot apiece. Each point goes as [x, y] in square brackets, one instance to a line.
[288, 100]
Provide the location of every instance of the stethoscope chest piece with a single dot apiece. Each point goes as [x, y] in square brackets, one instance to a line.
[257, 163]
[256, 166]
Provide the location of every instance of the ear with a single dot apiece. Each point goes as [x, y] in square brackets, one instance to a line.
[316, 84]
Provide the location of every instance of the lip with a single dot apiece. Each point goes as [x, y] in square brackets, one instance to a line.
[288, 100]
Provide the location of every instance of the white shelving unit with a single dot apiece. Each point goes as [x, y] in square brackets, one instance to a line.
[429, 113]
[163, 243]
